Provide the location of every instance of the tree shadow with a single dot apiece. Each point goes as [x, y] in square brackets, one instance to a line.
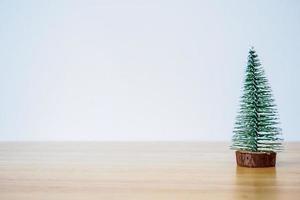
[256, 183]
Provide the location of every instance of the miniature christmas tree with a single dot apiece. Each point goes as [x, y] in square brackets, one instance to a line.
[256, 128]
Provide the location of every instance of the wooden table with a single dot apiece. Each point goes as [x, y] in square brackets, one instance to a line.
[140, 170]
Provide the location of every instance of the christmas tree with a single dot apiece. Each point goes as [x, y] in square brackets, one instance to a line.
[256, 128]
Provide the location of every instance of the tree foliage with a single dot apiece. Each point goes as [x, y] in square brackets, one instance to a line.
[256, 128]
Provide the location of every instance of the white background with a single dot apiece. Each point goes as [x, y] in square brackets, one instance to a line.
[141, 70]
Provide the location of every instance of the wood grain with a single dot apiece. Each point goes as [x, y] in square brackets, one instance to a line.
[139, 171]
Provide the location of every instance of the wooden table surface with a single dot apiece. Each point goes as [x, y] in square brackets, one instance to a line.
[140, 170]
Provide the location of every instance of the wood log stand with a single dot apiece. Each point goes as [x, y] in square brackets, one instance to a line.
[255, 159]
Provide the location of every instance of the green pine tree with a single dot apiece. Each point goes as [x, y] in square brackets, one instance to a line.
[256, 128]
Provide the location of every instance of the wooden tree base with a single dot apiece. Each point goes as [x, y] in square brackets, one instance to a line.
[255, 159]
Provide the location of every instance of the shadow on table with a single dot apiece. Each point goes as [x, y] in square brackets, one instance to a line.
[256, 183]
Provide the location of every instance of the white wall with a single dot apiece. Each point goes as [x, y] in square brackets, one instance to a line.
[133, 70]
